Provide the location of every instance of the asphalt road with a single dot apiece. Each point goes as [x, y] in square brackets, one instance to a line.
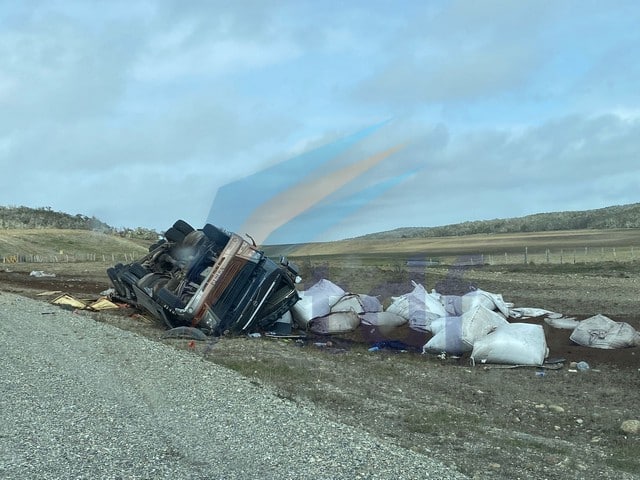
[81, 399]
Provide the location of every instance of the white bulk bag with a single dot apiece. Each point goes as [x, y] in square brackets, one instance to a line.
[419, 307]
[452, 304]
[315, 302]
[382, 319]
[339, 322]
[492, 301]
[514, 344]
[448, 339]
[479, 322]
[359, 303]
[456, 335]
[602, 332]
[440, 323]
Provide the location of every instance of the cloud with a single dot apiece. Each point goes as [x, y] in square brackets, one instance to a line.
[141, 111]
[462, 52]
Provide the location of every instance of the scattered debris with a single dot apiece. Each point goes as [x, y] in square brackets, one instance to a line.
[582, 366]
[103, 304]
[391, 345]
[68, 301]
[49, 293]
[40, 273]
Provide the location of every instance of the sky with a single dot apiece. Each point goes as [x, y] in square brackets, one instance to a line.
[297, 121]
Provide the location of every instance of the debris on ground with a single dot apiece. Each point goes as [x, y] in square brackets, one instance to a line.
[215, 281]
[40, 274]
[69, 301]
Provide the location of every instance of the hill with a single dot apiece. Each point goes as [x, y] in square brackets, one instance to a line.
[51, 244]
[44, 217]
[615, 217]
[12, 218]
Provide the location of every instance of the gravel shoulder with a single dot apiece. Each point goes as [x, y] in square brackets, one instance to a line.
[83, 399]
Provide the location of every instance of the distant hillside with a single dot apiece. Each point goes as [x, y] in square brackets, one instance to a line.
[45, 217]
[12, 218]
[620, 216]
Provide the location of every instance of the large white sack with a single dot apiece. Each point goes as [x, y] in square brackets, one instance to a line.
[602, 332]
[448, 339]
[359, 303]
[456, 335]
[478, 322]
[452, 304]
[456, 305]
[492, 301]
[339, 322]
[514, 344]
[382, 319]
[440, 323]
[419, 307]
[315, 302]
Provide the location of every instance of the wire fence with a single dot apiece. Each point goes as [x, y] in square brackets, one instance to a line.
[71, 258]
[556, 256]
[513, 256]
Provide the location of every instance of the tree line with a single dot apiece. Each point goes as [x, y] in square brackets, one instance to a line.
[21, 217]
[619, 216]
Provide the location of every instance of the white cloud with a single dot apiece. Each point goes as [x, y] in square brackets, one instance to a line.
[490, 99]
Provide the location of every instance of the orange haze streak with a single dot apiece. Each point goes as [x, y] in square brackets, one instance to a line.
[292, 202]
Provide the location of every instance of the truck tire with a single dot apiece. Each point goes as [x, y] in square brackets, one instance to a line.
[216, 235]
[173, 235]
[138, 270]
[183, 227]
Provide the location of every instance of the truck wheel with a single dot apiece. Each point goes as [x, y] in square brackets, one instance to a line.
[173, 235]
[138, 270]
[216, 235]
[183, 227]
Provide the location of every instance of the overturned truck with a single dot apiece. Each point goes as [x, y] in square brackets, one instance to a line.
[210, 279]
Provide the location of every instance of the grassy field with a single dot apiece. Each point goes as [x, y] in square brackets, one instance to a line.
[572, 246]
[56, 245]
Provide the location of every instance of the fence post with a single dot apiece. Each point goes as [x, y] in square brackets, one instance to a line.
[526, 251]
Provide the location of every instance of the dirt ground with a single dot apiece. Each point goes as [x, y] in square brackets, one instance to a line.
[490, 422]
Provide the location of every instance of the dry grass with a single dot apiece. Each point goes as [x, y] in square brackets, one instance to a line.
[539, 247]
